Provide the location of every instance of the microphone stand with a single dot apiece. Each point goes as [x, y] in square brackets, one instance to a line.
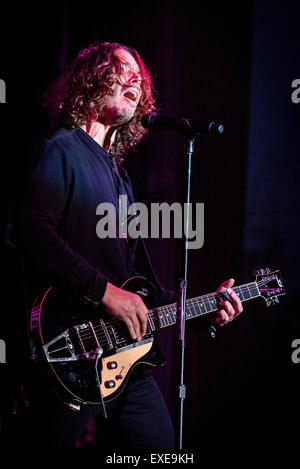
[190, 129]
[182, 303]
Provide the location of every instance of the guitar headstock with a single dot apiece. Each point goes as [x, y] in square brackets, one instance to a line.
[269, 285]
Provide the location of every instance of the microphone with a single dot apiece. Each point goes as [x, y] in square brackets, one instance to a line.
[186, 127]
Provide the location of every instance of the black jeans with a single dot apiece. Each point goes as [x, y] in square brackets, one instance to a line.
[138, 418]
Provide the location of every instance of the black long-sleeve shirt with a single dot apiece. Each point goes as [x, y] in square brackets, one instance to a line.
[58, 222]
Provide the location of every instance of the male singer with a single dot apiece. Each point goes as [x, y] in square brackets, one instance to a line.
[95, 106]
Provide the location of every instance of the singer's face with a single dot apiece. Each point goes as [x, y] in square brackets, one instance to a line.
[119, 106]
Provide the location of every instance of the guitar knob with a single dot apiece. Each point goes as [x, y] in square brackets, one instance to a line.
[110, 384]
[112, 365]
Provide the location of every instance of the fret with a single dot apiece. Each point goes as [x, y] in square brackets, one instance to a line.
[213, 303]
[151, 322]
[247, 293]
[170, 315]
[202, 306]
[207, 305]
[165, 316]
[189, 312]
[197, 305]
[193, 313]
[154, 319]
[254, 290]
[165, 319]
[239, 292]
[161, 320]
[158, 319]
[174, 310]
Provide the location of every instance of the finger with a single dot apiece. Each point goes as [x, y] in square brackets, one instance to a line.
[222, 317]
[227, 284]
[136, 326]
[143, 321]
[236, 301]
[142, 315]
[228, 308]
[130, 326]
[131, 320]
[135, 317]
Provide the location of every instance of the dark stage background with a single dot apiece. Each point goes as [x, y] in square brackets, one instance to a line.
[232, 62]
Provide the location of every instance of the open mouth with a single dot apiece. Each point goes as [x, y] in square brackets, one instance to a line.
[132, 94]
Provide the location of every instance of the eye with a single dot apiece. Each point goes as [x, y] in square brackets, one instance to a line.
[130, 73]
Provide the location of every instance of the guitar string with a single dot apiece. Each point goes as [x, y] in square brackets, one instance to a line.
[172, 307]
[168, 309]
[192, 302]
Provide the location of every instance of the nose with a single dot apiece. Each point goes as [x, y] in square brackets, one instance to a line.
[133, 78]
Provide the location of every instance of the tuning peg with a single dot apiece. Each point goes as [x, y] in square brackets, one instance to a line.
[259, 272]
[272, 301]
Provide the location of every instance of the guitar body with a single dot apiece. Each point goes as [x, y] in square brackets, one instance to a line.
[69, 337]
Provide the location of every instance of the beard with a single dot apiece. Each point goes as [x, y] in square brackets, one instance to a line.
[117, 114]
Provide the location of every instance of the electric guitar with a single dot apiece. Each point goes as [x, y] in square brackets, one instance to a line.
[91, 354]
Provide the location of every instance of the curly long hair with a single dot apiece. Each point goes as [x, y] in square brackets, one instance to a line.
[77, 93]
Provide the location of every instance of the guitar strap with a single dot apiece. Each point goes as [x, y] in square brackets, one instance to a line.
[121, 190]
[142, 262]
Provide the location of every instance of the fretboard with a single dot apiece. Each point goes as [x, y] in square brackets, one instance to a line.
[166, 315]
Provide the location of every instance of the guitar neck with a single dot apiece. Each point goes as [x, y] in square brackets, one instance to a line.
[166, 315]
